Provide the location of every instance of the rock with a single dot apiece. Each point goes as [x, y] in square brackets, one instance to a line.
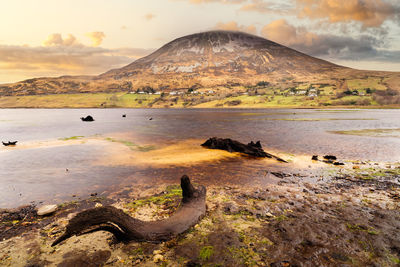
[123, 115]
[330, 157]
[158, 258]
[46, 210]
[314, 157]
[98, 205]
[231, 207]
[87, 118]
[155, 252]
[356, 167]
[338, 163]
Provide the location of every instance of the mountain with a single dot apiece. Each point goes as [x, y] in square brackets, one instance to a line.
[202, 60]
[219, 57]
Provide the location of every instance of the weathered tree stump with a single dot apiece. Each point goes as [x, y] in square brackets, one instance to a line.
[251, 149]
[126, 228]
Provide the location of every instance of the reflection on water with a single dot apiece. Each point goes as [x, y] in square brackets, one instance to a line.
[58, 155]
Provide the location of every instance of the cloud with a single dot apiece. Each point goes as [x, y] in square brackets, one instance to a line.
[266, 7]
[56, 39]
[149, 16]
[60, 56]
[370, 13]
[233, 26]
[216, 1]
[362, 47]
[96, 37]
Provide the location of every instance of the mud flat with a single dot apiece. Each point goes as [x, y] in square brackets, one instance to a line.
[349, 217]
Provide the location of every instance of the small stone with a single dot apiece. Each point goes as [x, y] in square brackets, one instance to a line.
[355, 167]
[98, 205]
[155, 252]
[158, 258]
[269, 214]
[46, 210]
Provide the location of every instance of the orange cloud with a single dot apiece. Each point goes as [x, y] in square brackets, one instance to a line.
[266, 7]
[371, 13]
[282, 32]
[96, 37]
[233, 26]
[56, 39]
[60, 56]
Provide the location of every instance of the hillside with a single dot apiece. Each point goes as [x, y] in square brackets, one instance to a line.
[212, 67]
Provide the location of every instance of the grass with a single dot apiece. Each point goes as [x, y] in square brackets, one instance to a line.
[206, 253]
[71, 138]
[172, 192]
[85, 100]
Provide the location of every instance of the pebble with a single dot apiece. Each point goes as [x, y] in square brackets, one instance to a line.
[46, 210]
[98, 205]
[158, 258]
[155, 252]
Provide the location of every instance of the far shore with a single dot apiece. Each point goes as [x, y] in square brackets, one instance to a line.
[129, 100]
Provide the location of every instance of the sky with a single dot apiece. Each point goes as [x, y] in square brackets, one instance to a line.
[46, 38]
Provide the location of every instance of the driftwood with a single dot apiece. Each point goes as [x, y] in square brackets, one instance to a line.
[126, 228]
[87, 118]
[251, 149]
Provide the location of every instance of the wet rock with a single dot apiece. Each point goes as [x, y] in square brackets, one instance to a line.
[280, 174]
[87, 118]
[231, 207]
[46, 210]
[330, 157]
[337, 163]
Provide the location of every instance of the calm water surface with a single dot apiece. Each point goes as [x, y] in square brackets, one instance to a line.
[38, 173]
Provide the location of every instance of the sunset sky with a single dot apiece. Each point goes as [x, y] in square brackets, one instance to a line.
[58, 37]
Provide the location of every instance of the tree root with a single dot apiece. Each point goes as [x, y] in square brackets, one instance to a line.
[126, 228]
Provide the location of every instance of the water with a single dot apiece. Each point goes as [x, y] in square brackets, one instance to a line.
[36, 169]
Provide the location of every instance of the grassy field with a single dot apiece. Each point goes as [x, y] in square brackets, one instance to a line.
[223, 97]
[97, 100]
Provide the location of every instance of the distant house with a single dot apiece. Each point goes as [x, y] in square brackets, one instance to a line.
[210, 91]
[245, 93]
[173, 93]
[302, 92]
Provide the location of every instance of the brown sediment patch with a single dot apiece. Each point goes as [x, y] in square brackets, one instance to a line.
[188, 152]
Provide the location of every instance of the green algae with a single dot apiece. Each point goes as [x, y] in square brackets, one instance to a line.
[132, 145]
[371, 132]
[76, 137]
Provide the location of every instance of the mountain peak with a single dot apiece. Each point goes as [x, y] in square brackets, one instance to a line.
[216, 54]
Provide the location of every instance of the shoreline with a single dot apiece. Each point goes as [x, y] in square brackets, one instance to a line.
[351, 218]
